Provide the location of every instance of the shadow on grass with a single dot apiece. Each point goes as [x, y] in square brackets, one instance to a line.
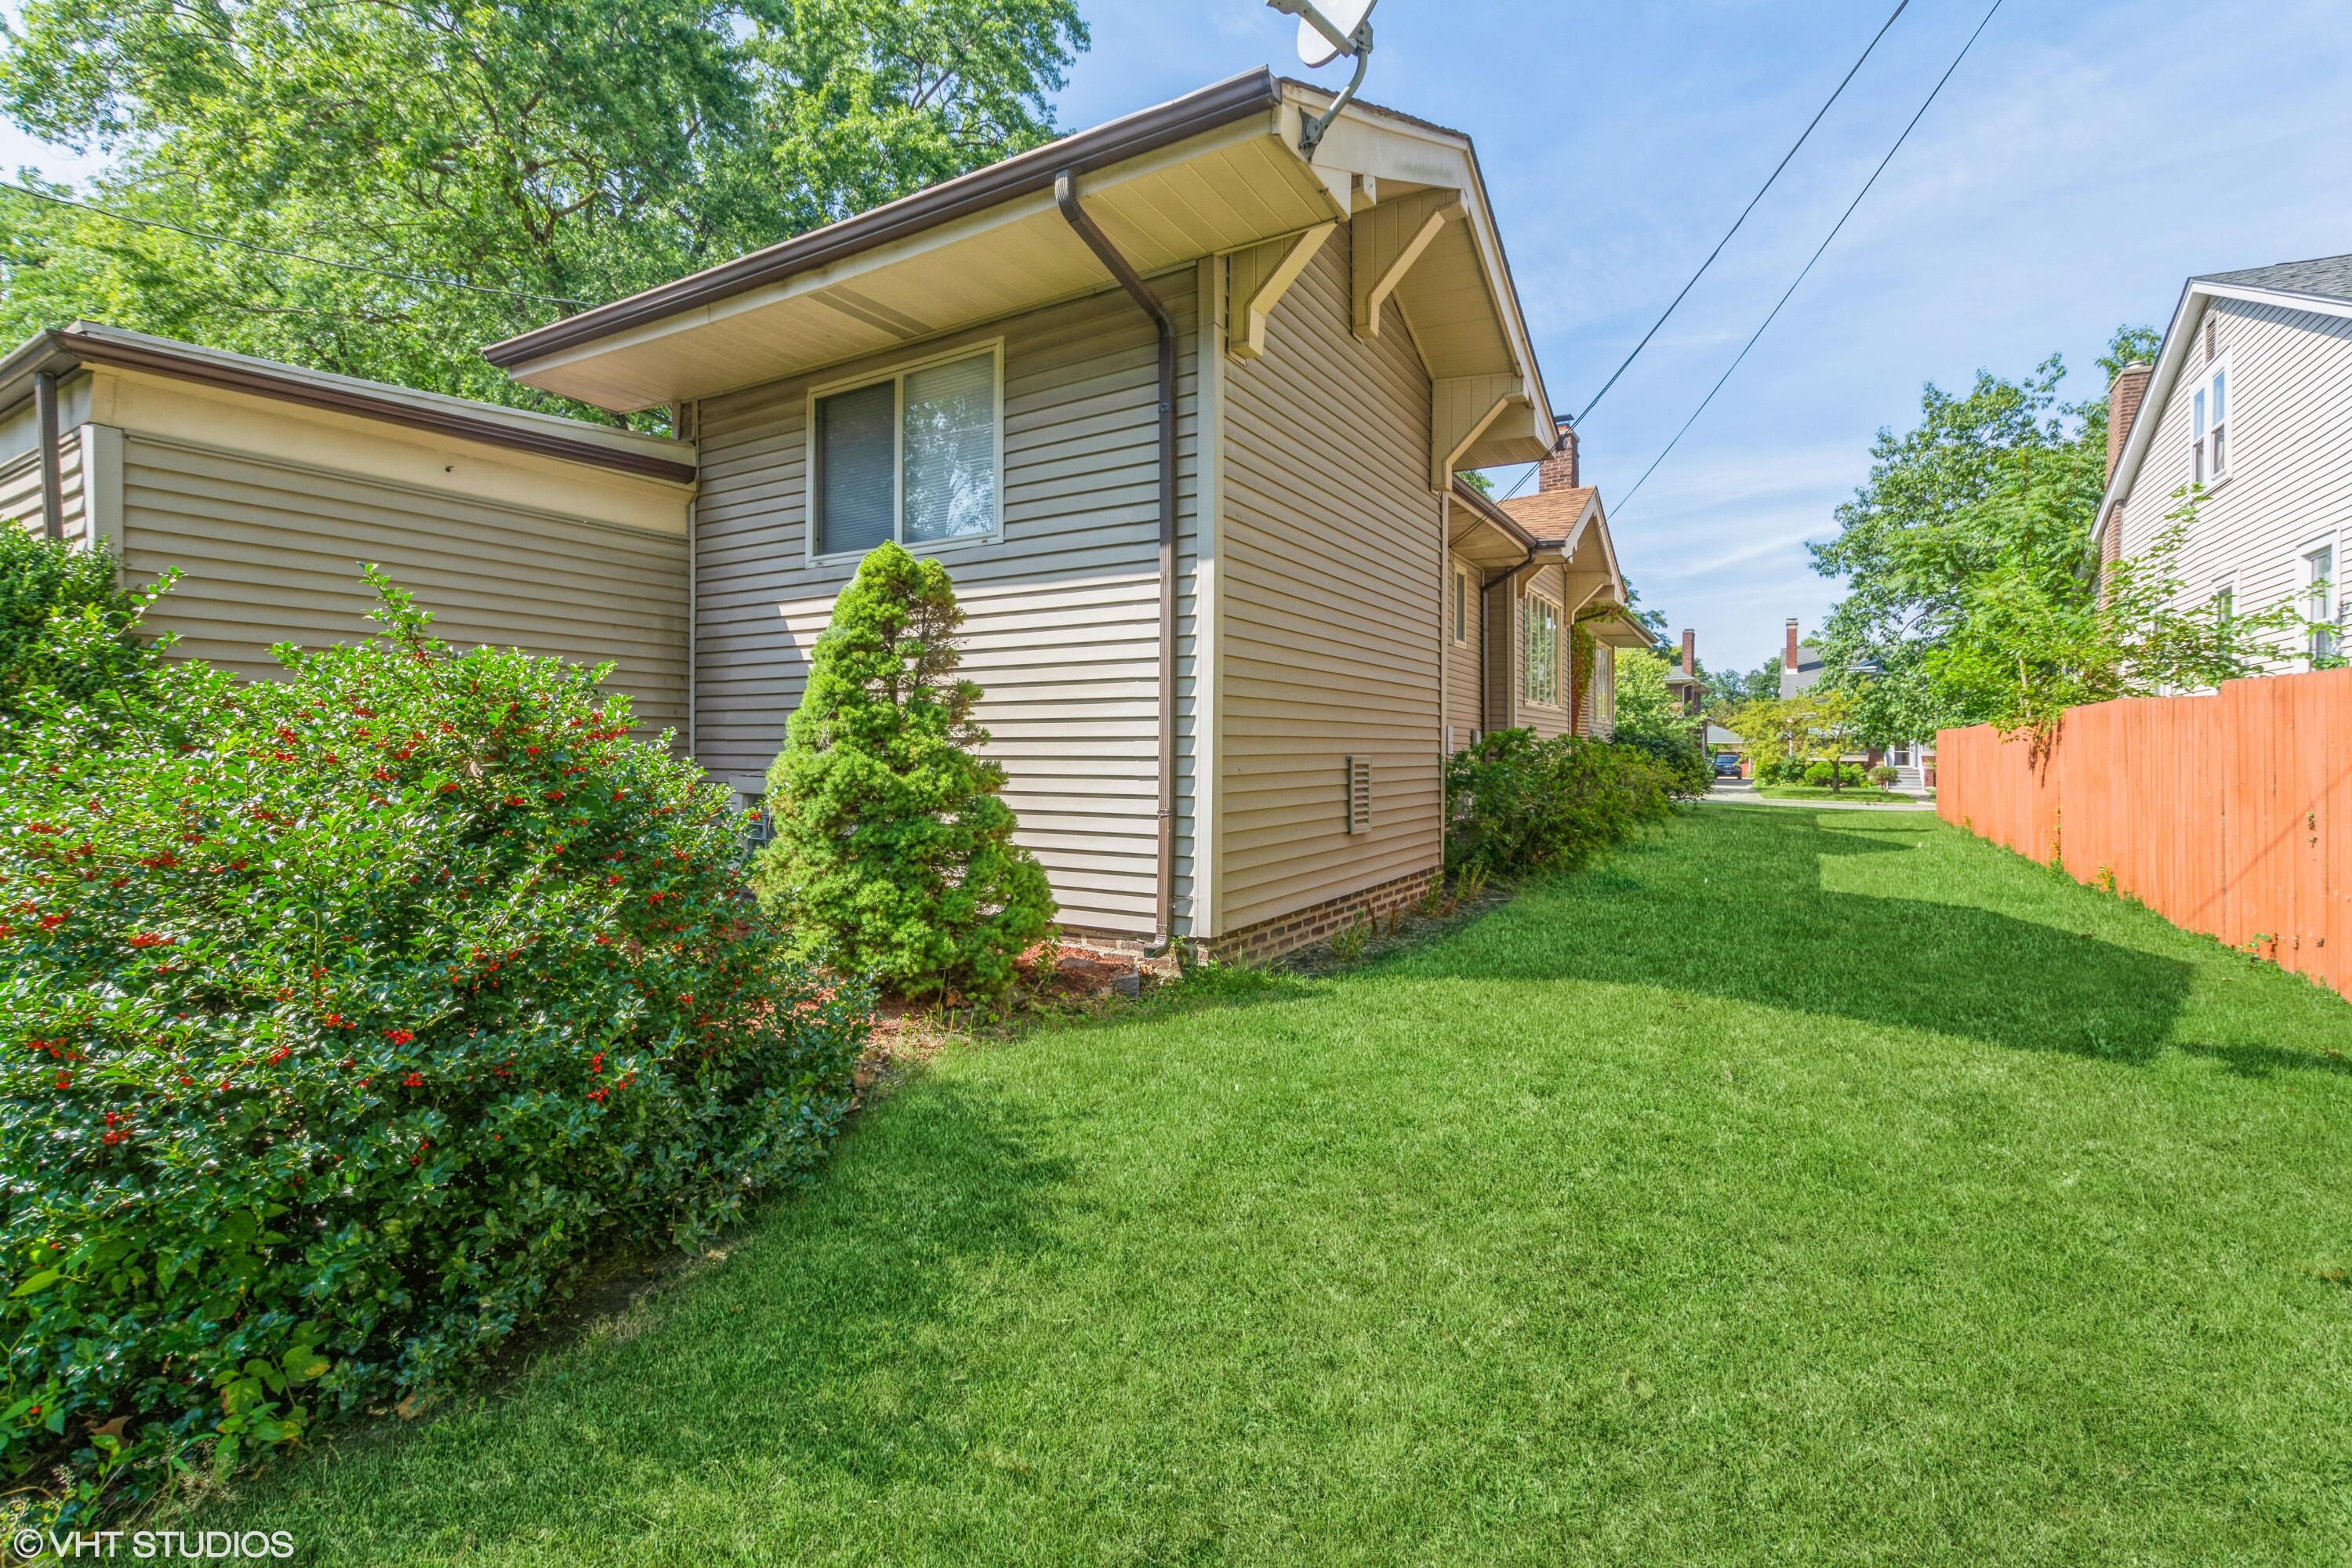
[1749, 919]
[780, 1359]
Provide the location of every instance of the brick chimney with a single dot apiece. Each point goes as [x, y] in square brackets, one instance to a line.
[2124, 395]
[1558, 471]
[1690, 651]
[1788, 653]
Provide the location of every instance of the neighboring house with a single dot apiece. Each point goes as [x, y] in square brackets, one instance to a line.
[1684, 683]
[2250, 399]
[1914, 762]
[268, 486]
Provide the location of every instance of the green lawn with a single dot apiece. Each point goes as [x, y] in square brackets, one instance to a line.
[1798, 1188]
[1824, 792]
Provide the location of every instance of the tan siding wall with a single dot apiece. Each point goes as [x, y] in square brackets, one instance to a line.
[1334, 558]
[270, 552]
[20, 487]
[2290, 485]
[1464, 688]
[1062, 627]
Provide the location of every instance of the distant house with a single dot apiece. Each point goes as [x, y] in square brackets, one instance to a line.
[1181, 404]
[1914, 762]
[1684, 682]
[2250, 399]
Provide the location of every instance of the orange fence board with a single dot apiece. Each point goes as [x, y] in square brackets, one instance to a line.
[2229, 813]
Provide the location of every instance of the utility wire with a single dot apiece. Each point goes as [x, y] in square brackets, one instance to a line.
[210, 238]
[1521, 483]
[1932, 95]
[1902, 6]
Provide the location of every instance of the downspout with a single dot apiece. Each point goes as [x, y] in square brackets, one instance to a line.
[53, 489]
[1065, 196]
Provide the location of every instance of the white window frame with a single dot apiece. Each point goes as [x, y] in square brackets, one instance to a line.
[1460, 608]
[2200, 397]
[896, 373]
[1528, 652]
[2225, 585]
[2329, 601]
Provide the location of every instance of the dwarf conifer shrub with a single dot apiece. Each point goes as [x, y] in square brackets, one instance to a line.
[893, 853]
[340, 1016]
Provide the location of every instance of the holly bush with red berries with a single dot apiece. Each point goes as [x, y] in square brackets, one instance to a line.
[342, 1014]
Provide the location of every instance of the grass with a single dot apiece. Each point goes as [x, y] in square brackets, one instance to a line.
[1797, 1187]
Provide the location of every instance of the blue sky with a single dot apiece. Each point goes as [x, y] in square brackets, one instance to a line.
[2086, 158]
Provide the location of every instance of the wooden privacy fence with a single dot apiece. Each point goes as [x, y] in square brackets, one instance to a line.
[2230, 814]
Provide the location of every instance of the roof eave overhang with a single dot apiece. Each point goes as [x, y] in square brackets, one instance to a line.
[2171, 356]
[64, 350]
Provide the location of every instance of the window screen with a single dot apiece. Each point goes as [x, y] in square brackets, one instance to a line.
[855, 497]
[951, 424]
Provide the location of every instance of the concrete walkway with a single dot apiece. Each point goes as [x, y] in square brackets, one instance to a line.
[1742, 792]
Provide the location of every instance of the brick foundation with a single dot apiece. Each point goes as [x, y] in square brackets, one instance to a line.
[1317, 923]
[1267, 938]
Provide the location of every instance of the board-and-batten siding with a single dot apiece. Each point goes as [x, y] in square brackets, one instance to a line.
[1330, 599]
[1062, 613]
[2290, 485]
[1464, 688]
[270, 552]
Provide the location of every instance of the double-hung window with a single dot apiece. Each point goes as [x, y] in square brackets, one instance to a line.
[1542, 652]
[2209, 425]
[915, 456]
[2319, 588]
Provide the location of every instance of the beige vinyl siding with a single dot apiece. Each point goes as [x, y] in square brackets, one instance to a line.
[1334, 564]
[1464, 688]
[1062, 628]
[270, 552]
[2290, 484]
[1499, 614]
[20, 487]
[1545, 719]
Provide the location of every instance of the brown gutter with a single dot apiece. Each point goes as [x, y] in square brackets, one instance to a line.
[55, 352]
[1236, 98]
[45, 423]
[1065, 196]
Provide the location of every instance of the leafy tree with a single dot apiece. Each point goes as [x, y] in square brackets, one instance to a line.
[1727, 689]
[893, 856]
[1644, 706]
[567, 153]
[1785, 734]
[2004, 477]
[65, 627]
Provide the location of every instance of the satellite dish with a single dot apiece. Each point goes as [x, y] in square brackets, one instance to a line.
[1325, 32]
[1317, 46]
[1336, 27]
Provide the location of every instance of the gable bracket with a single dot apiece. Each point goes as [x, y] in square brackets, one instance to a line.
[1384, 241]
[1255, 280]
[1461, 409]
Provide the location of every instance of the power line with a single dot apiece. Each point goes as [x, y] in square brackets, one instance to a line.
[1902, 6]
[210, 238]
[1932, 95]
[1521, 483]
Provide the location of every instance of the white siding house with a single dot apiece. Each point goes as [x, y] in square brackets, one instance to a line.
[2248, 406]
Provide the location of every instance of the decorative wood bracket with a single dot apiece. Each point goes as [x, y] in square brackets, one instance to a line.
[1460, 408]
[1384, 241]
[1255, 280]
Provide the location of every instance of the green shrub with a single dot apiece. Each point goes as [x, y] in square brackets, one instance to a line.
[344, 1013]
[65, 625]
[1883, 776]
[1689, 771]
[1518, 804]
[1822, 773]
[893, 856]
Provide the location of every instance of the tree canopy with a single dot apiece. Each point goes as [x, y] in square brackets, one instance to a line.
[553, 156]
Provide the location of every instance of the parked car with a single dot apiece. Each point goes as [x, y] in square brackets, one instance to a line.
[1726, 764]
